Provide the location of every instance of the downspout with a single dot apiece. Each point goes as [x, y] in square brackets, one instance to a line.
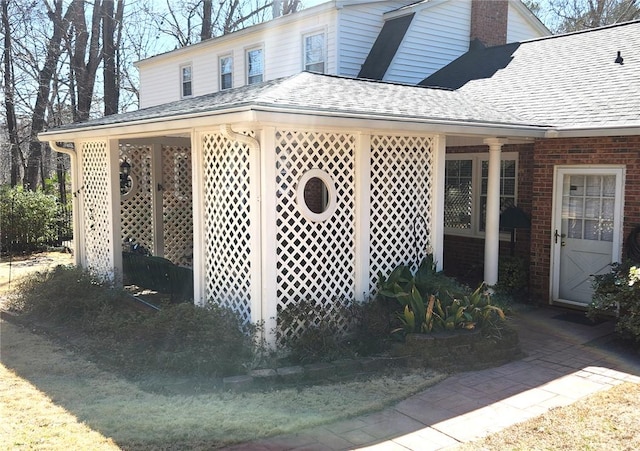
[228, 133]
[257, 308]
[78, 250]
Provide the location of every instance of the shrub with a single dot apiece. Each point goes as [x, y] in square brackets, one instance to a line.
[618, 293]
[431, 302]
[313, 332]
[513, 275]
[178, 339]
[28, 219]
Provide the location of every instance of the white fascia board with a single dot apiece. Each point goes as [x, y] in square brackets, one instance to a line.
[593, 132]
[412, 8]
[153, 127]
[257, 28]
[266, 115]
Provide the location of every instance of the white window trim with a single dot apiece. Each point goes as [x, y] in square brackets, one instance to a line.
[182, 67]
[476, 188]
[317, 31]
[246, 62]
[332, 193]
[220, 57]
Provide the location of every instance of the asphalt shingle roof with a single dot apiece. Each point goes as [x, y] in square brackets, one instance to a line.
[570, 81]
[325, 94]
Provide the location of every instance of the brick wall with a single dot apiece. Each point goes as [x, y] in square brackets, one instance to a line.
[489, 21]
[552, 152]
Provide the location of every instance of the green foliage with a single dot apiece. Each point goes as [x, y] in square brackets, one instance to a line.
[178, 339]
[430, 302]
[618, 292]
[28, 219]
[513, 275]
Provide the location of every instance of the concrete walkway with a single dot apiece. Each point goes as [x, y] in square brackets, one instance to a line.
[566, 361]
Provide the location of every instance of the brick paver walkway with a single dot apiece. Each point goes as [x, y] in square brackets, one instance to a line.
[561, 367]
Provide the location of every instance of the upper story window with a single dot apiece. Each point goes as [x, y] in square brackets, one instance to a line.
[314, 52]
[255, 66]
[226, 72]
[465, 203]
[186, 81]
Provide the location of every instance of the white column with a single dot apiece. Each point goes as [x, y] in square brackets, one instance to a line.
[492, 222]
[156, 199]
[197, 188]
[113, 152]
[268, 190]
[362, 216]
[437, 200]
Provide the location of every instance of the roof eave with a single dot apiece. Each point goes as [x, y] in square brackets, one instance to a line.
[592, 132]
[267, 113]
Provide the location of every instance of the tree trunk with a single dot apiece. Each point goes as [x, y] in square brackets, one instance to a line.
[45, 75]
[206, 32]
[111, 35]
[87, 44]
[9, 90]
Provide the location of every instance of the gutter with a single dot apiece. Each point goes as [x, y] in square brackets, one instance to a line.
[590, 132]
[160, 124]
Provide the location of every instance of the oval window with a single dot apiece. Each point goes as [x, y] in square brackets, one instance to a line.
[316, 195]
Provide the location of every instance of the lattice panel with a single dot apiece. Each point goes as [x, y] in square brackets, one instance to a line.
[177, 205]
[227, 239]
[315, 260]
[96, 201]
[400, 212]
[136, 207]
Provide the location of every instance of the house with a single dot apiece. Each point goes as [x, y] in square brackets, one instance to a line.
[309, 185]
[397, 41]
[581, 182]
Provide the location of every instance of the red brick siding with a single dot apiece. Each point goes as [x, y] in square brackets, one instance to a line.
[552, 152]
[489, 21]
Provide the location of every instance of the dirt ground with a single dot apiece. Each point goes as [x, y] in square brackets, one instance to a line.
[14, 268]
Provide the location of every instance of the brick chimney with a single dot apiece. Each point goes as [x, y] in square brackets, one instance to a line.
[489, 21]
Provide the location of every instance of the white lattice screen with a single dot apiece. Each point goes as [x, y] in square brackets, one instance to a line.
[95, 197]
[315, 260]
[177, 205]
[227, 240]
[400, 211]
[136, 206]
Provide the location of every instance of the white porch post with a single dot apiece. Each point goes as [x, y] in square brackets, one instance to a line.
[437, 200]
[492, 222]
[269, 296]
[197, 189]
[156, 196]
[113, 152]
[362, 220]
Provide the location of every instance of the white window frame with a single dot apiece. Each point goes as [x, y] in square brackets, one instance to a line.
[220, 73]
[476, 190]
[183, 82]
[247, 66]
[308, 35]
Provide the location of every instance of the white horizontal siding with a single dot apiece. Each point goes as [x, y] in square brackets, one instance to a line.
[519, 28]
[359, 27]
[437, 36]
[283, 53]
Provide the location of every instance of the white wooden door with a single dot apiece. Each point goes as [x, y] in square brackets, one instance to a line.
[586, 229]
